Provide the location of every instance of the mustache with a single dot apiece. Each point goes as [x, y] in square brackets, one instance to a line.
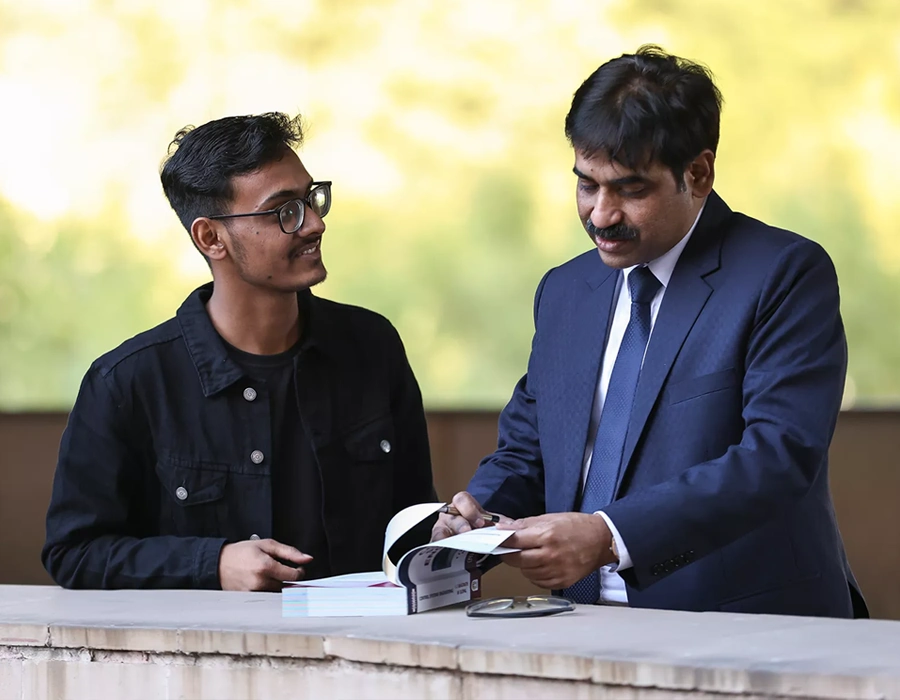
[616, 232]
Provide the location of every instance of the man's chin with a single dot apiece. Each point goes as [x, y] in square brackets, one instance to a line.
[619, 253]
[312, 279]
[301, 284]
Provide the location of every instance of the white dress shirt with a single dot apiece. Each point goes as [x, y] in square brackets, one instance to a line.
[612, 587]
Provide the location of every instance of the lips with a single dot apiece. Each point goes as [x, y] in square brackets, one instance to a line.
[608, 246]
[309, 249]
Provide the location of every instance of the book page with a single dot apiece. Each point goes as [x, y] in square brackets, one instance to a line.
[486, 540]
[405, 520]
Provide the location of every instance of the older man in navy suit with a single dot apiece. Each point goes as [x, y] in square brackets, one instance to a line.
[668, 446]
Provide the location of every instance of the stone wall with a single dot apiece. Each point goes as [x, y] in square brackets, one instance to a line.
[161, 645]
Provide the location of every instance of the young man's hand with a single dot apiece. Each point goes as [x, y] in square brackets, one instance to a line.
[253, 565]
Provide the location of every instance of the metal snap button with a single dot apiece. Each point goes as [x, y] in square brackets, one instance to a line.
[181, 493]
[256, 456]
[385, 446]
[250, 393]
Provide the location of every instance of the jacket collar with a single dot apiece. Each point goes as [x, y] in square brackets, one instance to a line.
[215, 368]
[704, 248]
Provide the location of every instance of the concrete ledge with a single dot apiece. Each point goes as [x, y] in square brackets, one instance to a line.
[24, 634]
[197, 644]
[184, 641]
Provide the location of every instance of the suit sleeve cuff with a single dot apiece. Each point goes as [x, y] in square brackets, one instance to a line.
[624, 557]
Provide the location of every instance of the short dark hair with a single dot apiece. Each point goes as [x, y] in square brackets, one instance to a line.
[645, 107]
[196, 175]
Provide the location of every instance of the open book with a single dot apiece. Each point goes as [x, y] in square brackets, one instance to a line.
[426, 577]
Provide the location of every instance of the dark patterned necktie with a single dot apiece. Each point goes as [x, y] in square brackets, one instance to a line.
[606, 458]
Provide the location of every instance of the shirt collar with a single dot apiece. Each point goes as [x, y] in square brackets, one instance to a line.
[663, 267]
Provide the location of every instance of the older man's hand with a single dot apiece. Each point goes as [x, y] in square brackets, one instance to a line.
[470, 518]
[558, 549]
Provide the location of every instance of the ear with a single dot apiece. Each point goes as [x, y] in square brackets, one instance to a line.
[207, 236]
[701, 173]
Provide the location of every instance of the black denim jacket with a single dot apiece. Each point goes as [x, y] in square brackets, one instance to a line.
[166, 455]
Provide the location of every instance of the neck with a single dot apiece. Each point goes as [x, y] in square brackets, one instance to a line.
[257, 321]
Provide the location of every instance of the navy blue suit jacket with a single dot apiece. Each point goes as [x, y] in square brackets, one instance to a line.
[723, 500]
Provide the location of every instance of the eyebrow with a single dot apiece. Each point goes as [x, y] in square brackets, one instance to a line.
[282, 194]
[617, 182]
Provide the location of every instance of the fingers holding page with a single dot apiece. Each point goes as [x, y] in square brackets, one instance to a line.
[463, 514]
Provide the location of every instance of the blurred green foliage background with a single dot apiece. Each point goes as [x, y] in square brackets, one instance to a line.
[441, 126]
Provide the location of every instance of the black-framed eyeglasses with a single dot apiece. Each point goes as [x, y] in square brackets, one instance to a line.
[291, 213]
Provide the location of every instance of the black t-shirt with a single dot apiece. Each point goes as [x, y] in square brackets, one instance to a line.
[296, 482]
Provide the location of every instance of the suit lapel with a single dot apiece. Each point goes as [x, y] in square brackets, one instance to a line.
[579, 358]
[685, 297]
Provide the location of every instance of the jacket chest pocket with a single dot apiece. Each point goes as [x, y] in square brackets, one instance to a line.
[371, 442]
[193, 498]
[368, 459]
[697, 387]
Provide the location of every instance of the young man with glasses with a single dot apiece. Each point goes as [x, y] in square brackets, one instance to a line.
[261, 435]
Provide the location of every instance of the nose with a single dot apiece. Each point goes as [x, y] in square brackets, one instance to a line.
[313, 224]
[605, 211]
